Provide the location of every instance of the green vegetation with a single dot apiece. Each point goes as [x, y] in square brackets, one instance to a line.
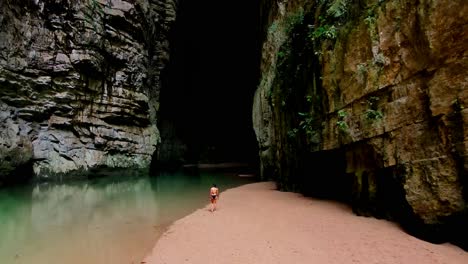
[281, 54]
[370, 19]
[373, 113]
[292, 133]
[293, 20]
[338, 8]
[341, 123]
[306, 123]
[323, 32]
[361, 71]
[330, 21]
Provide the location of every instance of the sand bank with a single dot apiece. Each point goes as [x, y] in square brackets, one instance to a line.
[256, 224]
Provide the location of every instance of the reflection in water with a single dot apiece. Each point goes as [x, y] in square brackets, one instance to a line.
[107, 220]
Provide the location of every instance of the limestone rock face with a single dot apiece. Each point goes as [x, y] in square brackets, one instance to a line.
[79, 83]
[376, 97]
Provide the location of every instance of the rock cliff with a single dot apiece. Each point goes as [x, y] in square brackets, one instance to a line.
[365, 101]
[79, 84]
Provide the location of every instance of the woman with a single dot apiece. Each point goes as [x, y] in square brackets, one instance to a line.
[214, 195]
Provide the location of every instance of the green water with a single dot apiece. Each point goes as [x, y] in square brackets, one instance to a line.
[115, 219]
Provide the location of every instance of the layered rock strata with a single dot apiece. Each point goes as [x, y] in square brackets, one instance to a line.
[365, 101]
[79, 84]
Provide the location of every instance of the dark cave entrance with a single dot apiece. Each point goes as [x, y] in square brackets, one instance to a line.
[208, 86]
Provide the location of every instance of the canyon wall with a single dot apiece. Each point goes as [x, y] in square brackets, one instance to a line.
[365, 101]
[79, 84]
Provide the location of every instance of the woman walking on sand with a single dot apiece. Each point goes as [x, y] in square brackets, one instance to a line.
[214, 195]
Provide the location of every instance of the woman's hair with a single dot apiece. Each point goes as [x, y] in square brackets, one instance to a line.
[214, 185]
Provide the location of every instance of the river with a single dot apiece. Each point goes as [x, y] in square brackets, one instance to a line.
[113, 219]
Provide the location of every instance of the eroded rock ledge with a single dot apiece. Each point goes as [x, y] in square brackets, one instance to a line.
[366, 101]
[79, 84]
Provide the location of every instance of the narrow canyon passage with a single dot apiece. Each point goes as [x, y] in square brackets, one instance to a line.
[208, 85]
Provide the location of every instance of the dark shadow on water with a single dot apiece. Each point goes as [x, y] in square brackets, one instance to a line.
[19, 176]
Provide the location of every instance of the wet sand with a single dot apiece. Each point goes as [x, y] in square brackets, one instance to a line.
[255, 223]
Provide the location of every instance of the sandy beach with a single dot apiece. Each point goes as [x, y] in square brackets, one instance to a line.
[256, 224]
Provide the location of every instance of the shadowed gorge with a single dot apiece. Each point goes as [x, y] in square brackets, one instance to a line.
[365, 102]
[208, 86]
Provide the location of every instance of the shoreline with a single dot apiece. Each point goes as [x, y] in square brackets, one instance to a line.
[255, 223]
